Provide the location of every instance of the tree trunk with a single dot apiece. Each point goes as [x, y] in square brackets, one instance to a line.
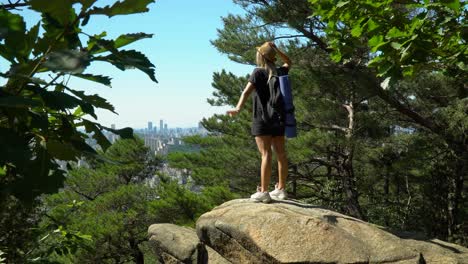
[386, 192]
[455, 196]
[348, 178]
[136, 252]
[351, 193]
[294, 182]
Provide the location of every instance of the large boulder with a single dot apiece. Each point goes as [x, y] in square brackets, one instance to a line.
[291, 232]
[176, 244]
[438, 251]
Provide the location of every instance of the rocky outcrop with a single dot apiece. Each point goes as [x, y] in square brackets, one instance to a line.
[176, 244]
[438, 251]
[240, 231]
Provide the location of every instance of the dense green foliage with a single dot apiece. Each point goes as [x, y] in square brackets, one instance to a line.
[104, 210]
[403, 37]
[42, 119]
[381, 103]
[419, 42]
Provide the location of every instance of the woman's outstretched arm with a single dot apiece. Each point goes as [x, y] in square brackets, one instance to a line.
[245, 94]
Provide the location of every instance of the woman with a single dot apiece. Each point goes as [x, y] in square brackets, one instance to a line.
[267, 134]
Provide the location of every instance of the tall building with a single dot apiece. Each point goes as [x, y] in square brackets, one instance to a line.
[113, 137]
[150, 126]
[166, 131]
[161, 126]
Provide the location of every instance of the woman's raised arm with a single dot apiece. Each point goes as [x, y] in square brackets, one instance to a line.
[284, 57]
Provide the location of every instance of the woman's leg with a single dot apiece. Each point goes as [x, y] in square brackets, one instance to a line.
[264, 146]
[280, 150]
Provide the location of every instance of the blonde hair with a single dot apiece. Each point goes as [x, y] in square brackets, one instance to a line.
[266, 64]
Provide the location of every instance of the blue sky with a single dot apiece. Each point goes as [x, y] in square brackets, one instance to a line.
[182, 53]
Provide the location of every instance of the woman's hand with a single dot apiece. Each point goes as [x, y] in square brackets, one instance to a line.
[233, 112]
[273, 45]
[284, 57]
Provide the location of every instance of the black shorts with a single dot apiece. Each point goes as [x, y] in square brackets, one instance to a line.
[260, 128]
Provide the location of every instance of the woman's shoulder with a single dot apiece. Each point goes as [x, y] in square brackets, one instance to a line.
[259, 72]
[259, 69]
[258, 76]
[282, 70]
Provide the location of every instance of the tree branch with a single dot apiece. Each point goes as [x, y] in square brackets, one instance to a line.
[322, 162]
[82, 194]
[15, 5]
[316, 39]
[289, 36]
[326, 127]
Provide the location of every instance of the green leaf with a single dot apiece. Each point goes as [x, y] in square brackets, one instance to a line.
[95, 78]
[9, 23]
[405, 54]
[69, 61]
[342, 3]
[83, 147]
[357, 30]
[126, 132]
[79, 112]
[371, 25]
[53, 30]
[98, 45]
[85, 3]
[61, 150]
[395, 45]
[12, 30]
[124, 7]
[95, 128]
[42, 176]
[126, 39]
[58, 9]
[58, 100]
[30, 40]
[85, 20]
[18, 102]
[462, 66]
[384, 68]
[94, 100]
[88, 109]
[385, 83]
[452, 4]
[336, 55]
[128, 59]
[376, 42]
[395, 33]
[416, 24]
[359, 26]
[375, 61]
[14, 148]
[408, 71]
[39, 120]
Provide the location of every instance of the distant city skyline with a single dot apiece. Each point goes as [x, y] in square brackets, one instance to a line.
[163, 124]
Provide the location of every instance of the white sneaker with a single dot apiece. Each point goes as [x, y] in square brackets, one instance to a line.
[260, 196]
[278, 194]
